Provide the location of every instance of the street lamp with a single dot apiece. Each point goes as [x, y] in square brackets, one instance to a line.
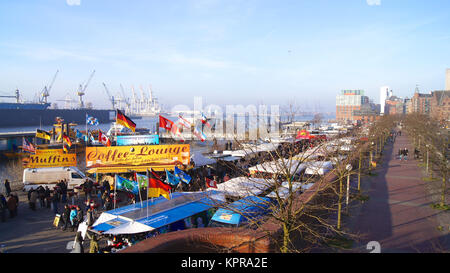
[348, 168]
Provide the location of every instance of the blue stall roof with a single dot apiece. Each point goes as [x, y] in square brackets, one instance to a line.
[247, 205]
[138, 218]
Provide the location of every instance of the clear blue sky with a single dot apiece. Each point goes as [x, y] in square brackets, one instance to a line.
[228, 52]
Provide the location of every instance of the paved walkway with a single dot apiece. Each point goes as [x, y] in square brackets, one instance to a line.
[398, 214]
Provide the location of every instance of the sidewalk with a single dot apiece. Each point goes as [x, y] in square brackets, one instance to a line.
[398, 214]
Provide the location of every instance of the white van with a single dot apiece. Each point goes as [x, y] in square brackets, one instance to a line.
[35, 177]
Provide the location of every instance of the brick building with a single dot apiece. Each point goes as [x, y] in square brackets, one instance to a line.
[353, 106]
[440, 105]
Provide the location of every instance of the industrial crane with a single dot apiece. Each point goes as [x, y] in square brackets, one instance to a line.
[17, 96]
[82, 89]
[111, 98]
[46, 91]
[125, 98]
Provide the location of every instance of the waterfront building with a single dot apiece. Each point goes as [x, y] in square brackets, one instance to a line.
[385, 93]
[421, 103]
[440, 105]
[394, 106]
[352, 106]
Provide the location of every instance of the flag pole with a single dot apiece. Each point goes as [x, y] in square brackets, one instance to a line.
[115, 187]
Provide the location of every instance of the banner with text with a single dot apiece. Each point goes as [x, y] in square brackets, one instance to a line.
[50, 158]
[137, 140]
[137, 155]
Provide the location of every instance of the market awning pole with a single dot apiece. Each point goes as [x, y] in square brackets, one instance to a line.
[115, 187]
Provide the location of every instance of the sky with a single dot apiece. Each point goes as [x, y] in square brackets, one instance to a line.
[227, 52]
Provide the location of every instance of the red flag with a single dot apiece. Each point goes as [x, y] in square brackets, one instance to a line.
[103, 139]
[210, 183]
[169, 126]
[165, 123]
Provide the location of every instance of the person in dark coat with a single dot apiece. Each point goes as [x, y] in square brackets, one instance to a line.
[33, 198]
[7, 187]
[47, 197]
[90, 216]
[3, 207]
[54, 199]
[80, 216]
[41, 196]
[66, 217]
[12, 206]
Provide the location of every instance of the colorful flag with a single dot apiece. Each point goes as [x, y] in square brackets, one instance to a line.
[141, 179]
[65, 148]
[103, 139]
[205, 120]
[184, 177]
[184, 122]
[125, 121]
[156, 187]
[27, 146]
[43, 134]
[210, 183]
[199, 134]
[67, 140]
[172, 179]
[126, 185]
[91, 120]
[169, 126]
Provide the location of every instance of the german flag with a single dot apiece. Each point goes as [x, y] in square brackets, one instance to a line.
[125, 121]
[43, 134]
[65, 149]
[66, 139]
[156, 187]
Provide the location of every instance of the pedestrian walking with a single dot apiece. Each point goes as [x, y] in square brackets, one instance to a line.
[93, 247]
[400, 154]
[3, 207]
[66, 216]
[12, 206]
[33, 198]
[405, 154]
[54, 200]
[90, 217]
[78, 246]
[73, 218]
[7, 187]
[48, 198]
[41, 195]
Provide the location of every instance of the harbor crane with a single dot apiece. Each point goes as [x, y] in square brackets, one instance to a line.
[82, 89]
[110, 97]
[125, 98]
[46, 91]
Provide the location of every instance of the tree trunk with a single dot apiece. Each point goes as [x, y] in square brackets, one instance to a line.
[444, 178]
[339, 204]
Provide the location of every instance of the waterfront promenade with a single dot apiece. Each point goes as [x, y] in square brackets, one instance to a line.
[398, 214]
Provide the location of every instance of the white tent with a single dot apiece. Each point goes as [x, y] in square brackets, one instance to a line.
[278, 166]
[318, 167]
[283, 191]
[244, 186]
[253, 149]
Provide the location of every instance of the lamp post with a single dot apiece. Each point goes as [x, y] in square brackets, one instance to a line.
[427, 155]
[348, 168]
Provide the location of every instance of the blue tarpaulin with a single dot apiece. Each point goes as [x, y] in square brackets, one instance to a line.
[138, 218]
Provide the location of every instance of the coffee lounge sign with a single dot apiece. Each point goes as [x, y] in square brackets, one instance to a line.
[137, 155]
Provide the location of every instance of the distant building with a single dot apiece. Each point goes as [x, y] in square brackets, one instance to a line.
[394, 106]
[352, 106]
[440, 105]
[384, 94]
[421, 103]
